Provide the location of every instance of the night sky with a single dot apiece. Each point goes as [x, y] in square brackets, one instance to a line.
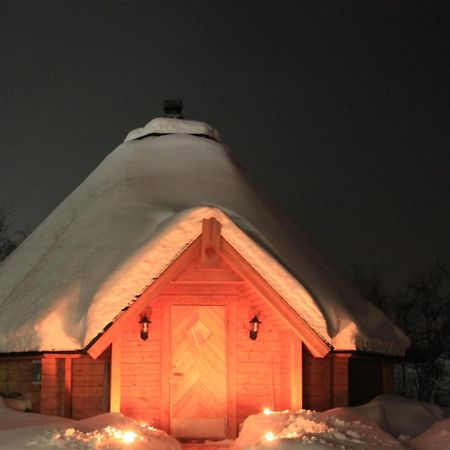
[339, 110]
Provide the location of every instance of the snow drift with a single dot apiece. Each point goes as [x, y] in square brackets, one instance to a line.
[22, 430]
[387, 422]
[373, 426]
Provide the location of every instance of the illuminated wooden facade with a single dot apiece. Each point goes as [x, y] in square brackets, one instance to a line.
[199, 375]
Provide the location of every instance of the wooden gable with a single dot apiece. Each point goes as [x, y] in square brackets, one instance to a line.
[211, 259]
[209, 290]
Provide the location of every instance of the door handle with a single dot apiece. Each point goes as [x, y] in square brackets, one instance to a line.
[178, 374]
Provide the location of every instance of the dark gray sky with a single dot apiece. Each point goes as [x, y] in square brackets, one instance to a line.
[339, 109]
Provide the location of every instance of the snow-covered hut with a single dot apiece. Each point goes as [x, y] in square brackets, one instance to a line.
[167, 288]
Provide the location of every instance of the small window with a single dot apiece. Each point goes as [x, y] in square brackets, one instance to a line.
[36, 372]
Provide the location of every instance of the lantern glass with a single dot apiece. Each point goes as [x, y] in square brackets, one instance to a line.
[145, 324]
[254, 327]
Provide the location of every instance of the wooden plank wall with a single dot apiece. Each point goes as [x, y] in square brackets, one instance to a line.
[144, 380]
[50, 386]
[325, 381]
[285, 373]
[89, 386]
[388, 377]
[16, 376]
[317, 375]
[340, 379]
[344, 379]
[262, 369]
[259, 362]
[291, 371]
[369, 377]
[265, 372]
[74, 387]
[141, 371]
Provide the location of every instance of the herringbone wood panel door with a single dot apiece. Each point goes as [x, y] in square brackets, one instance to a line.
[199, 381]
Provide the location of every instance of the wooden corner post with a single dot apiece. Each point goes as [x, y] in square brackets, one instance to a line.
[68, 387]
[116, 362]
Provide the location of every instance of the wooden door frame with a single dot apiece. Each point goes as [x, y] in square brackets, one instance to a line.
[229, 303]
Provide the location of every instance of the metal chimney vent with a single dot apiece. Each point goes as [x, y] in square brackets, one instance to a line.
[173, 108]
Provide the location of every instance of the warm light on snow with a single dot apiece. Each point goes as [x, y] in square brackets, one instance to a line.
[373, 426]
[146, 426]
[388, 422]
[112, 431]
[126, 436]
[269, 436]
[267, 411]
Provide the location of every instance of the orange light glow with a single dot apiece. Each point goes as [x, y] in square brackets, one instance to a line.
[126, 436]
[147, 426]
[267, 411]
[269, 436]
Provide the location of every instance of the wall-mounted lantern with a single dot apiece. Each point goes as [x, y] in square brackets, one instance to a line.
[254, 327]
[145, 325]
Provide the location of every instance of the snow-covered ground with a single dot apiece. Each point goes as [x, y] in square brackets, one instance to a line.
[22, 430]
[387, 422]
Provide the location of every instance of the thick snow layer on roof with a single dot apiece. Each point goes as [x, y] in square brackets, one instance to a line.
[139, 209]
[162, 125]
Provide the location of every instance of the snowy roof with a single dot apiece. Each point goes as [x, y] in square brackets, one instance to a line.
[131, 218]
[162, 125]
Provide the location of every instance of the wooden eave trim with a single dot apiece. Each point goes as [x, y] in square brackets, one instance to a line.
[23, 357]
[316, 345]
[34, 354]
[99, 345]
[341, 355]
[358, 354]
[61, 355]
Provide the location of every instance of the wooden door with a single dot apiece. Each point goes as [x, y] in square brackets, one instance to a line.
[199, 375]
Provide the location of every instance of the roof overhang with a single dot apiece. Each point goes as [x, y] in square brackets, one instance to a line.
[211, 237]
